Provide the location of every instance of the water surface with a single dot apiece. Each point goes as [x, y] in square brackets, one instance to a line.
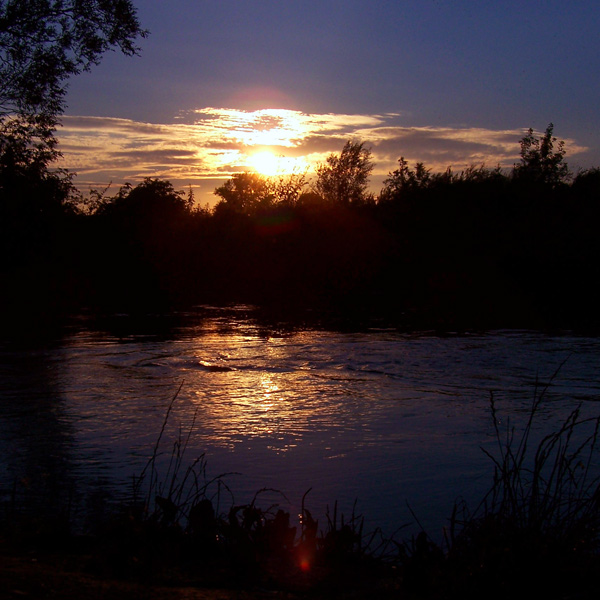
[377, 416]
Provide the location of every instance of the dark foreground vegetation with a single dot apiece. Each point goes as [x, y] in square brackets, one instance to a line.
[479, 248]
[535, 534]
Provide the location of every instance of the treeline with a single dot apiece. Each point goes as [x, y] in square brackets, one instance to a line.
[478, 248]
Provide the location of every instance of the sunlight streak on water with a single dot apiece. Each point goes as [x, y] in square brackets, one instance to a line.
[381, 417]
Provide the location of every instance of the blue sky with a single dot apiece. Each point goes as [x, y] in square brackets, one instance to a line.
[449, 83]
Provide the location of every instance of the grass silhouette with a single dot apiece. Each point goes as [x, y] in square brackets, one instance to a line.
[536, 531]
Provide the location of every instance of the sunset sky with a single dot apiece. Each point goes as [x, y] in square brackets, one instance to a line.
[449, 83]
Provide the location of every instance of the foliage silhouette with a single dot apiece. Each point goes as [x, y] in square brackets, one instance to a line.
[152, 199]
[244, 194]
[477, 248]
[404, 181]
[344, 179]
[535, 532]
[43, 43]
[541, 163]
[252, 193]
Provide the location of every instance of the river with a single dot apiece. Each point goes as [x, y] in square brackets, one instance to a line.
[392, 423]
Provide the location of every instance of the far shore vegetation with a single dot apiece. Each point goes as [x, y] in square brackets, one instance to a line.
[480, 248]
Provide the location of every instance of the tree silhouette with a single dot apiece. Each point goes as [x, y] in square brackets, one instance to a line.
[473, 248]
[45, 42]
[288, 188]
[344, 178]
[587, 183]
[541, 162]
[404, 180]
[24, 173]
[42, 44]
[244, 194]
[153, 198]
[250, 193]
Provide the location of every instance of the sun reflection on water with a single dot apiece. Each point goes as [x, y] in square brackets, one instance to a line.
[378, 416]
[269, 388]
[255, 393]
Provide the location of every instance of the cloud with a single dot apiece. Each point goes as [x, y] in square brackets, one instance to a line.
[210, 144]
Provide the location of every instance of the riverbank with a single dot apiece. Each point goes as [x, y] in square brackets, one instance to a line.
[60, 576]
[69, 575]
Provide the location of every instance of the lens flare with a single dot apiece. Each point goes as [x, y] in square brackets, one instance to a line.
[304, 564]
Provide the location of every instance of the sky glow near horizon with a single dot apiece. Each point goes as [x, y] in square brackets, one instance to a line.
[224, 87]
[222, 142]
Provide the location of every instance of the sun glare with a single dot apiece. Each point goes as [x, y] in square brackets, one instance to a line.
[261, 135]
[266, 163]
[270, 127]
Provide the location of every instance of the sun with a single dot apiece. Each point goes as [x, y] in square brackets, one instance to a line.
[265, 163]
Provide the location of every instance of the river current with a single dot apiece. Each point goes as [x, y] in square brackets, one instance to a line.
[391, 423]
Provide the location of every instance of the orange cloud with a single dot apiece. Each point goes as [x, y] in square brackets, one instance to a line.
[206, 146]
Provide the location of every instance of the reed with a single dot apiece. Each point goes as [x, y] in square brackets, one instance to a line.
[536, 533]
[171, 496]
[180, 518]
